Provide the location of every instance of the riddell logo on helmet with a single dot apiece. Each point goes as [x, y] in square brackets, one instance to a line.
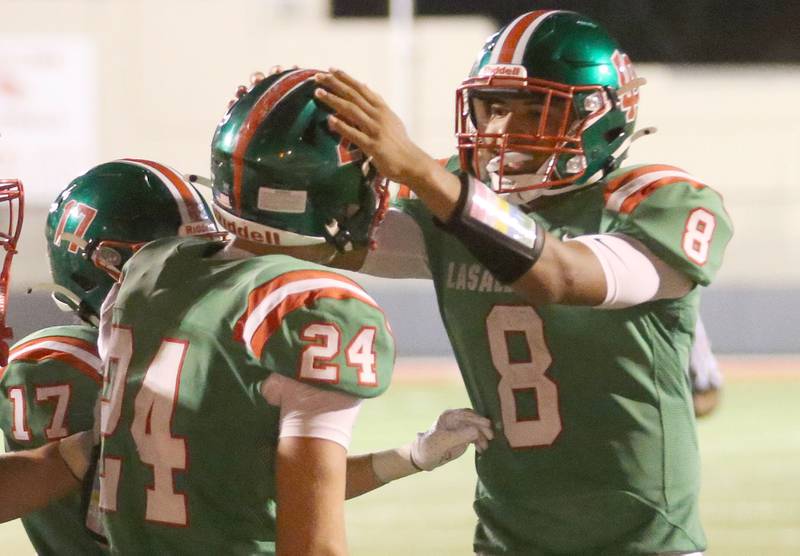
[240, 229]
[503, 70]
[194, 228]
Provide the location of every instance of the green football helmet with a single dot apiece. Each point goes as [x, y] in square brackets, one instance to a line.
[586, 94]
[104, 216]
[280, 176]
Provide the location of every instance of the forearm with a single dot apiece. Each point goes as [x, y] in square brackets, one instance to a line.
[32, 479]
[310, 486]
[361, 476]
[567, 274]
[446, 440]
[437, 188]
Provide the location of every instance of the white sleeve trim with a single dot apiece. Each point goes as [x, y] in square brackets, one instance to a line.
[399, 249]
[633, 273]
[312, 412]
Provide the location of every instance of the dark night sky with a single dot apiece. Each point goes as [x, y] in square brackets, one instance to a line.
[696, 31]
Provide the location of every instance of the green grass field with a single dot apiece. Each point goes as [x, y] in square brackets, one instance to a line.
[751, 465]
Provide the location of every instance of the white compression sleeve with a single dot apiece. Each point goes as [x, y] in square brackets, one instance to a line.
[633, 273]
[311, 412]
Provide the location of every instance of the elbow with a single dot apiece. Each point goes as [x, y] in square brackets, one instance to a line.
[549, 283]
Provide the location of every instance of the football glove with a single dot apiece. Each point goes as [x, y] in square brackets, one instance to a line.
[446, 440]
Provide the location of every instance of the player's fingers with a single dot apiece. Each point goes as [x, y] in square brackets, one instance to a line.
[346, 110]
[481, 443]
[344, 90]
[241, 90]
[363, 89]
[469, 417]
[465, 436]
[350, 133]
[454, 453]
[256, 77]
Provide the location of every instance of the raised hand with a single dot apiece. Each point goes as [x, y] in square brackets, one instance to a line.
[364, 118]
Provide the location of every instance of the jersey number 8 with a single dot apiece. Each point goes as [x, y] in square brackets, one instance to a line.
[519, 378]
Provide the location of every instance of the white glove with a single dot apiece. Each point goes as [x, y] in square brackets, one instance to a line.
[447, 439]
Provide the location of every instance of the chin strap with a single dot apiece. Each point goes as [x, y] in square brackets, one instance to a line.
[80, 308]
[199, 180]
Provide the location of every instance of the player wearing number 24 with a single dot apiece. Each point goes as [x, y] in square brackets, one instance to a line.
[233, 380]
[200, 435]
[568, 285]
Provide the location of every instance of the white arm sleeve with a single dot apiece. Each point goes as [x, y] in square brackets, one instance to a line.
[311, 412]
[633, 273]
[399, 249]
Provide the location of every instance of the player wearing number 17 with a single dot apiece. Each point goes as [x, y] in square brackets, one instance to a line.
[568, 285]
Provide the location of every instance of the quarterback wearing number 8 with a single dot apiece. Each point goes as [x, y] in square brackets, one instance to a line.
[568, 285]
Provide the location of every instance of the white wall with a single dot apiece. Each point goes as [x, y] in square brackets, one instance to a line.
[165, 70]
[738, 130]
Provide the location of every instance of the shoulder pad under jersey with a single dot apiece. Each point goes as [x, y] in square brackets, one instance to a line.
[679, 218]
[72, 348]
[322, 328]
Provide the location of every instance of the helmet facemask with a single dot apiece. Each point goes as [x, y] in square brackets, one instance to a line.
[571, 65]
[541, 146]
[12, 210]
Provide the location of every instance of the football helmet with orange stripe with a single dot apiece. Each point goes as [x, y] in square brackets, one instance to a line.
[102, 217]
[549, 106]
[280, 176]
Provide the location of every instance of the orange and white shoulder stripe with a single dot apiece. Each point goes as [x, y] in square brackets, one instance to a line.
[186, 196]
[510, 46]
[77, 353]
[624, 193]
[270, 303]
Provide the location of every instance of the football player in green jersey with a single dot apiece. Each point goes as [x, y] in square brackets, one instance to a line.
[568, 285]
[90, 218]
[49, 388]
[226, 419]
[233, 380]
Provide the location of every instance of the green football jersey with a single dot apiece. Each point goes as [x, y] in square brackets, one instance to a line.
[596, 451]
[47, 392]
[189, 440]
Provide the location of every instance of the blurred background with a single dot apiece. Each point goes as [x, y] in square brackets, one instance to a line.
[87, 81]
